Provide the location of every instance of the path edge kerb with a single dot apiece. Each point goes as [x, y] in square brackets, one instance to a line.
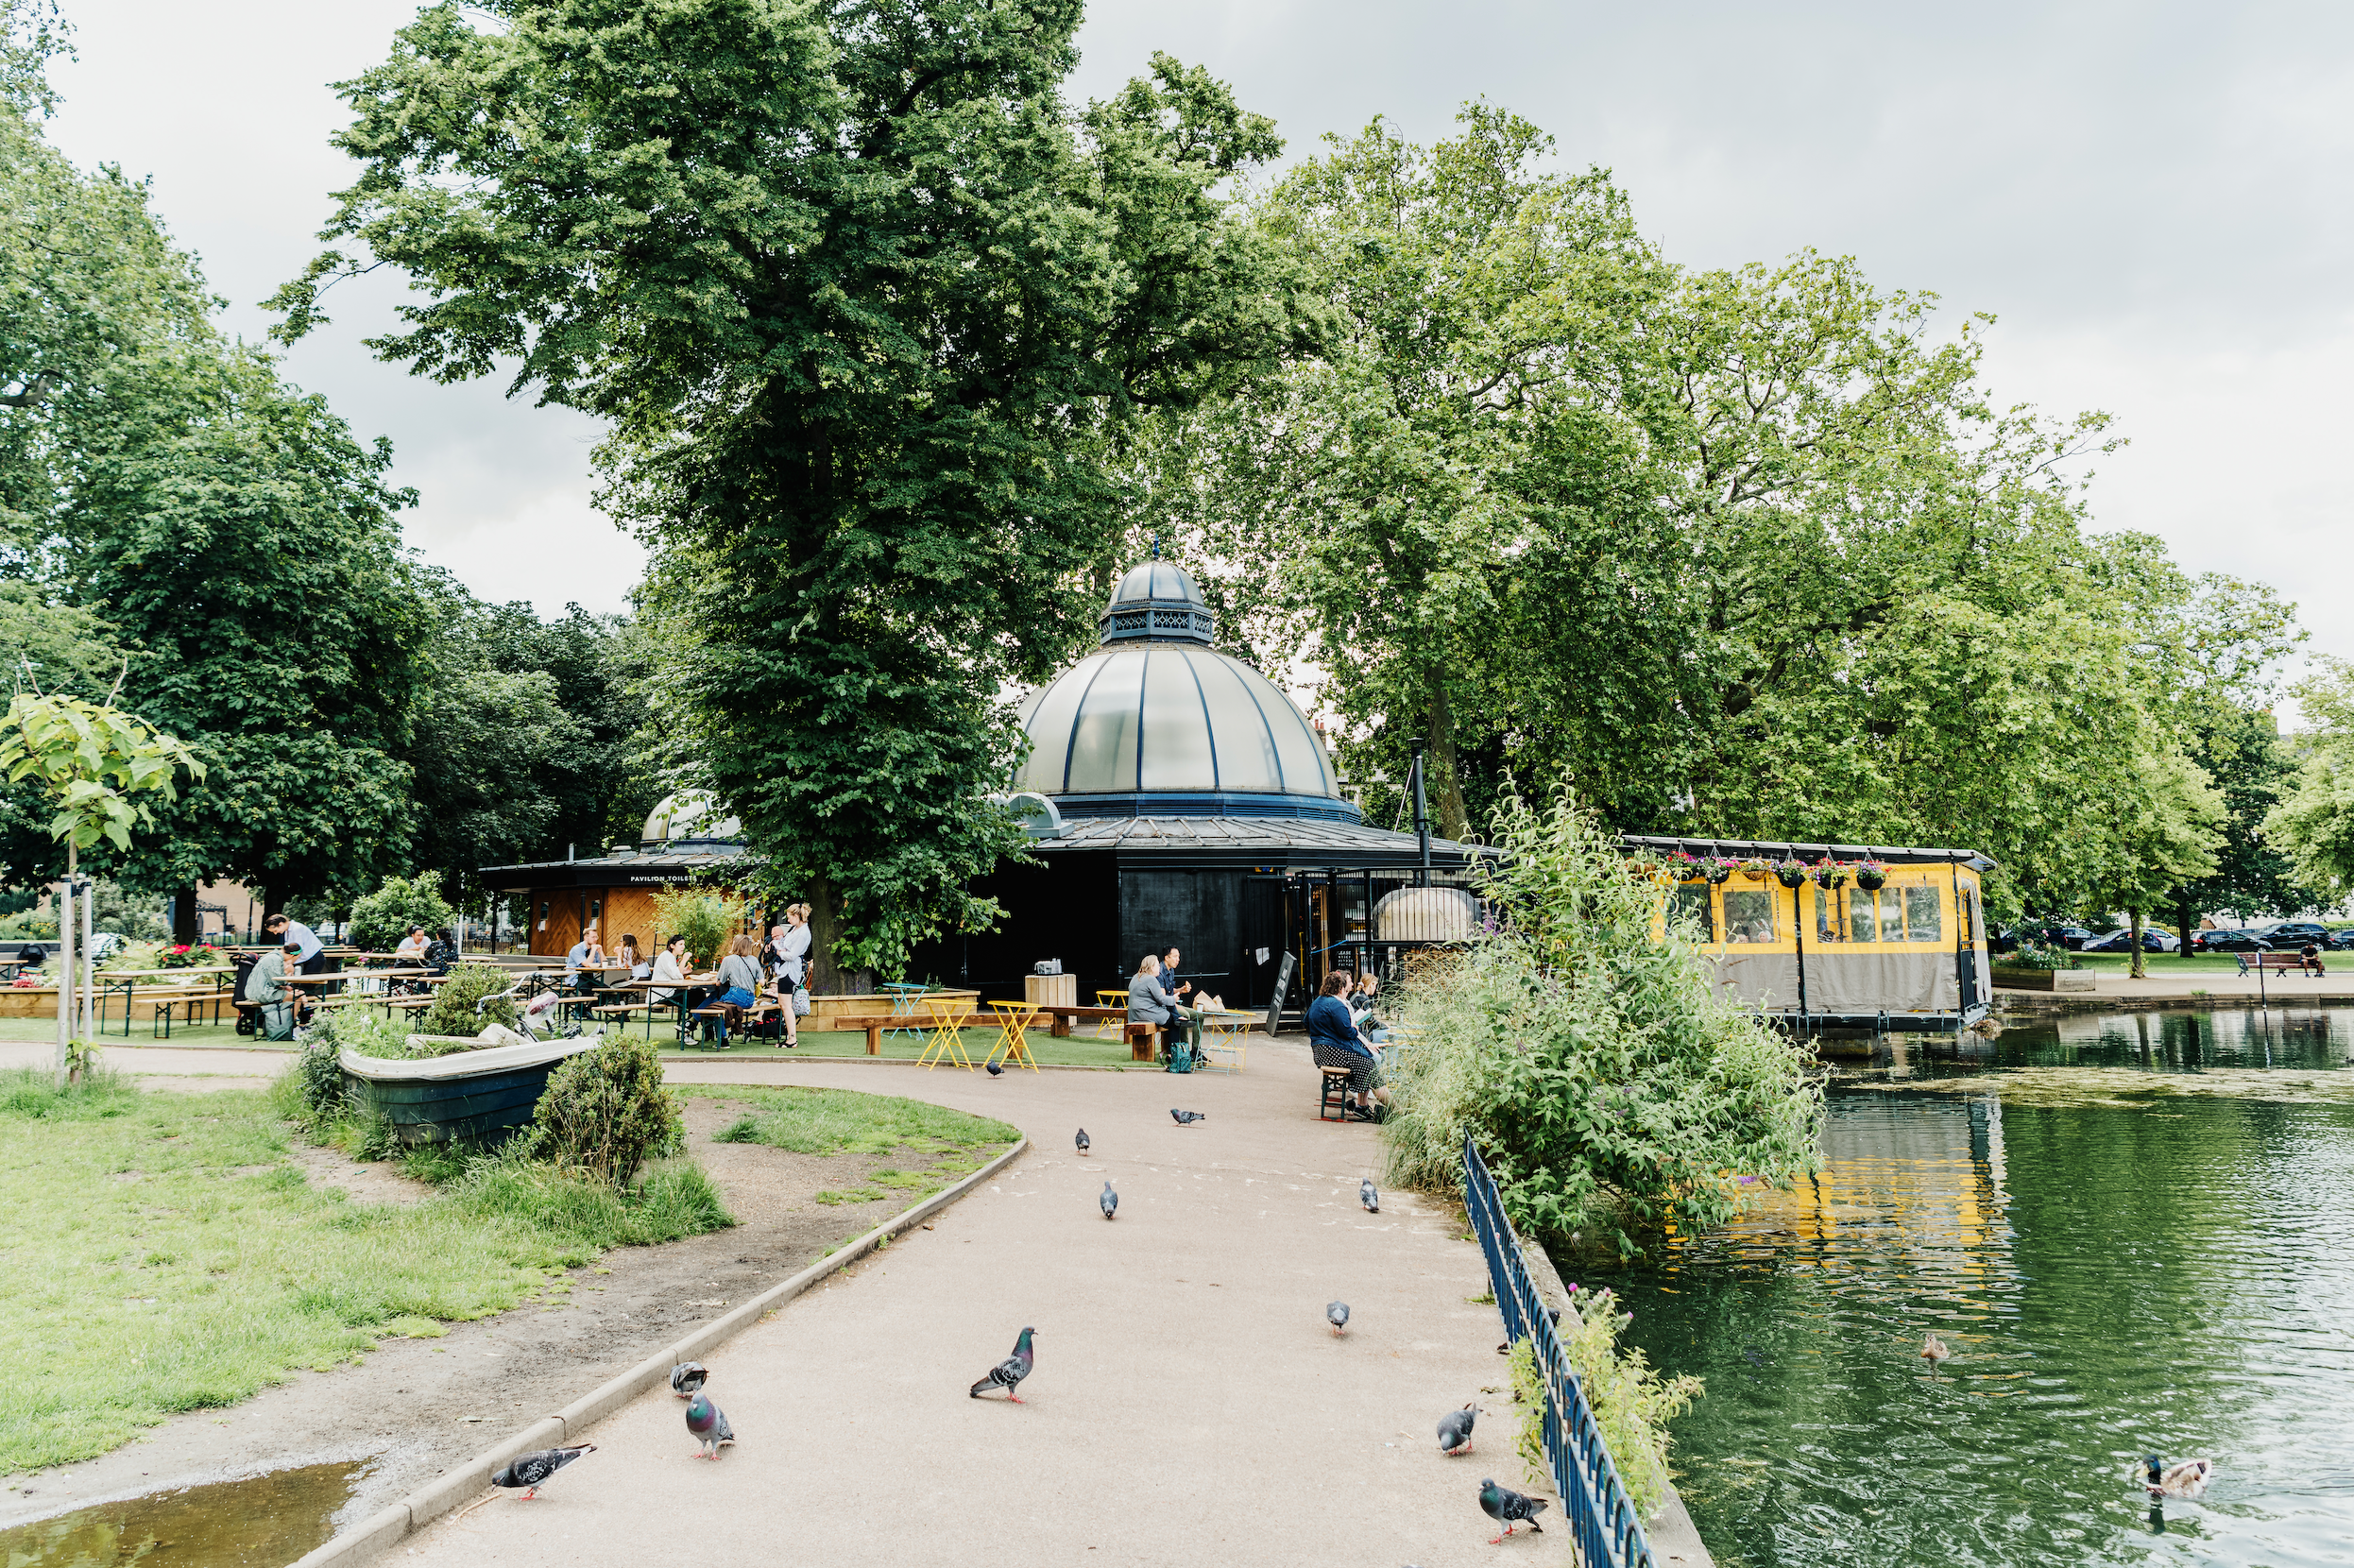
[463, 1482]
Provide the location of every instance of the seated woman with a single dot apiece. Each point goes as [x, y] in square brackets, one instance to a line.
[739, 979]
[412, 948]
[1333, 1041]
[1145, 1002]
[628, 953]
[1369, 1028]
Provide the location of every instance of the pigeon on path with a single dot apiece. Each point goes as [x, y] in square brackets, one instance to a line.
[1455, 1429]
[1369, 1196]
[687, 1379]
[1337, 1314]
[705, 1423]
[995, 1071]
[1008, 1373]
[1108, 1202]
[1187, 1119]
[1508, 1507]
[1081, 1141]
[530, 1470]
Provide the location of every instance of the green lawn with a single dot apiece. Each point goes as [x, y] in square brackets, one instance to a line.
[2157, 964]
[949, 1144]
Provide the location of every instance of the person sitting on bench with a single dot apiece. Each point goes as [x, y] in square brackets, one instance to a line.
[1146, 1003]
[1333, 1041]
[281, 1007]
[2308, 960]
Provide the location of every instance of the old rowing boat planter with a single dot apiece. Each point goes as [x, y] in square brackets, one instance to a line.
[471, 1096]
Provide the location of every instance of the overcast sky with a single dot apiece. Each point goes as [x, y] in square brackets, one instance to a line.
[2153, 199]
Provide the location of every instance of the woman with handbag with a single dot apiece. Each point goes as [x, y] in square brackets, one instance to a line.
[792, 954]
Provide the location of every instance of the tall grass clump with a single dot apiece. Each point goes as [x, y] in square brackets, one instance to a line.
[1587, 1047]
[605, 1111]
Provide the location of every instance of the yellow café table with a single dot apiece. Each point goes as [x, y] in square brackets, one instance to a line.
[1224, 1032]
[1013, 1045]
[1111, 1028]
[948, 1041]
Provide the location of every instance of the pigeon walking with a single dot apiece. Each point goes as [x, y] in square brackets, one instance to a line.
[1369, 1195]
[1455, 1429]
[995, 1071]
[705, 1423]
[1108, 1202]
[1008, 1373]
[1187, 1119]
[1337, 1314]
[1508, 1507]
[1081, 1140]
[687, 1379]
[530, 1470]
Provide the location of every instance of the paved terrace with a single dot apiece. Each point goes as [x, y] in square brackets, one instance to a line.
[1190, 1405]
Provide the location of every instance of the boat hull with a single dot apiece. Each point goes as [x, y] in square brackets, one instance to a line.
[474, 1099]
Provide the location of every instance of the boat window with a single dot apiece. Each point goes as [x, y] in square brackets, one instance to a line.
[1863, 925]
[1827, 915]
[1876, 915]
[1922, 920]
[1691, 901]
[1749, 916]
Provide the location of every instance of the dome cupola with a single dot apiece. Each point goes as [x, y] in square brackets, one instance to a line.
[1158, 723]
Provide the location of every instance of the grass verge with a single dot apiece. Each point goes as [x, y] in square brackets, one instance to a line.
[159, 1253]
[951, 1144]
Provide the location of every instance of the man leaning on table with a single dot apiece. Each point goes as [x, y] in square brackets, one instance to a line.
[267, 986]
[303, 940]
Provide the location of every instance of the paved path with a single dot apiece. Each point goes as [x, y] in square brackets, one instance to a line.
[1188, 1406]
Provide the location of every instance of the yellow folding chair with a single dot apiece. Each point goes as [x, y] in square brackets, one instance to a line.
[1013, 1045]
[1111, 1028]
[947, 1039]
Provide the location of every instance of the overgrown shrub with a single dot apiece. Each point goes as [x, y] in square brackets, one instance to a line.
[380, 920]
[1587, 1049]
[704, 918]
[453, 1011]
[605, 1112]
[1631, 1403]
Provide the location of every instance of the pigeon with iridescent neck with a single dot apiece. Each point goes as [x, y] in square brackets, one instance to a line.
[1008, 1373]
[1508, 1507]
[530, 1470]
[705, 1423]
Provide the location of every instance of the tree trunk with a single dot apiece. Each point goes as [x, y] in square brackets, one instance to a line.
[1447, 786]
[2182, 918]
[826, 978]
[2134, 918]
[184, 914]
[65, 967]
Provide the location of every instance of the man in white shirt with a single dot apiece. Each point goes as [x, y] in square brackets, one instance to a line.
[301, 938]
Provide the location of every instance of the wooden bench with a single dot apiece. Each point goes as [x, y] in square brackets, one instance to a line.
[716, 1012]
[1066, 1014]
[2276, 960]
[873, 1023]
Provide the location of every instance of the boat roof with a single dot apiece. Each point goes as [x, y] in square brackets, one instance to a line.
[1786, 849]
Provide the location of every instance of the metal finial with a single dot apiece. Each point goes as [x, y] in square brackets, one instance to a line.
[1157, 547]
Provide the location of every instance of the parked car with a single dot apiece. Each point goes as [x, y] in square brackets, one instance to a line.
[2293, 933]
[2154, 940]
[2230, 942]
[2071, 937]
[2342, 938]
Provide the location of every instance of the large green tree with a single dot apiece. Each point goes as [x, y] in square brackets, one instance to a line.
[2315, 822]
[856, 291]
[1746, 552]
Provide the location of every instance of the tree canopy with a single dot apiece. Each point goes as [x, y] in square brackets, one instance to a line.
[858, 292]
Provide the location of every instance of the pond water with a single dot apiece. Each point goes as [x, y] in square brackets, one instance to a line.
[2168, 1273]
[262, 1522]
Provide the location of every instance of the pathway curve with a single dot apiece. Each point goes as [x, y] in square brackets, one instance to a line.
[1189, 1407]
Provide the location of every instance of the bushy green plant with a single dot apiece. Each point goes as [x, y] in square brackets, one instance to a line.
[1631, 1403]
[707, 919]
[605, 1111]
[1586, 1046]
[453, 1011]
[2039, 955]
[380, 920]
[1529, 1394]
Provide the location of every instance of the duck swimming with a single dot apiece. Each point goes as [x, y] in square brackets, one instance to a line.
[1933, 1350]
[2184, 1478]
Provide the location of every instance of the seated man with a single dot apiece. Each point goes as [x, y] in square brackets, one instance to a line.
[412, 947]
[1333, 1041]
[586, 951]
[2308, 960]
[280, 1006]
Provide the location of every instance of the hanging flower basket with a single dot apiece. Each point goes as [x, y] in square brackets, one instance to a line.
[1870, 874]
[1829, 873]
[1756, 870]
[1793, 875]
[1717, 869]
[1686, 867]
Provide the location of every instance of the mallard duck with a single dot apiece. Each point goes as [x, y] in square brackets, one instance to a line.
[2183, 1479]
[1934, 1350]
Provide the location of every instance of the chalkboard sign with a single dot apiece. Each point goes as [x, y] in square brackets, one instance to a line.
[1283, 989]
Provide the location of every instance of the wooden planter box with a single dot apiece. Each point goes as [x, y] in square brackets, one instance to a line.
[2010, 978]
[473, 1096]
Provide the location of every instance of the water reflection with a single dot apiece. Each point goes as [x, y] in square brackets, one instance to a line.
[2113, 1282]
[262, 1522]
[2171, 1040]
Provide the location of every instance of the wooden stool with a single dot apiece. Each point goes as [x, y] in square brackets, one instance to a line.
[1141, 1039]
[1334, 1105]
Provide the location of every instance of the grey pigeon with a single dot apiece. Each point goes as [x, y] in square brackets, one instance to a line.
[706, 1421]
[995, 1071]
[1455, 1429]
[1508, 1507]
[1187, 1119]
[687, 1378]
[530, 1470]
[1337, 1314]
[1108, 1202]
[1008, 1373]
[1367, 1195]
[1081, 1140]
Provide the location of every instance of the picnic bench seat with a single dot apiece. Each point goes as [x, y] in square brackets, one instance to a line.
[1066, 1015]
[2272, 961]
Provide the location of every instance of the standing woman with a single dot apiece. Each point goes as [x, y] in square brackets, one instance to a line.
[792, 968]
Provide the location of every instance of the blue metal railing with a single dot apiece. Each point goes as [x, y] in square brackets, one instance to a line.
[1602, 1518]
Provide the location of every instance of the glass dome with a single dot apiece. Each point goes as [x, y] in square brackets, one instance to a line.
[1156, 723]
[690, 815]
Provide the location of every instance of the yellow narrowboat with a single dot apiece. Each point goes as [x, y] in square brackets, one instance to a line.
[1834, 935]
